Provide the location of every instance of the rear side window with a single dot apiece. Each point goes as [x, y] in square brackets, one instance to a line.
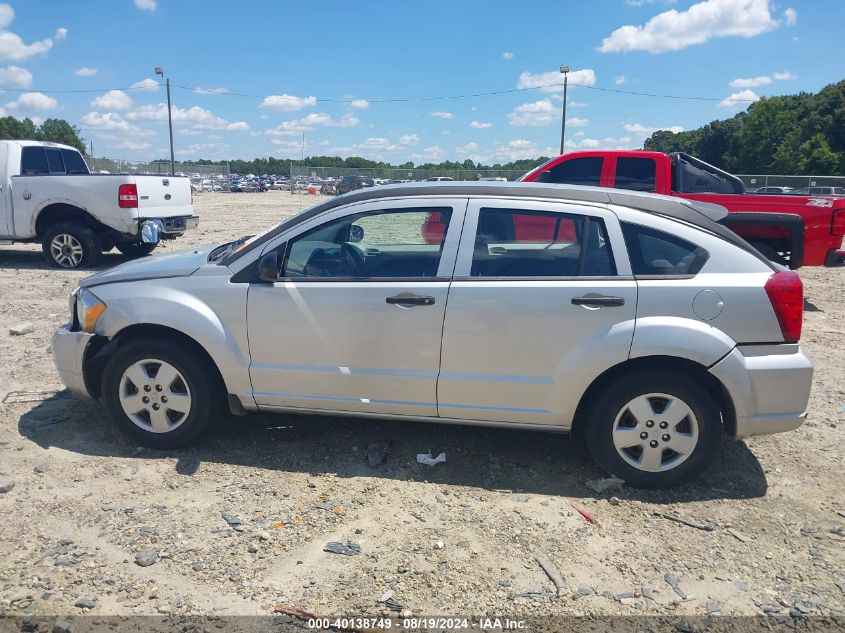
[578, 171]
[54, 161]
[34, 161]
[74, 163]
[522, 243]
[636, 174]
[654, 252]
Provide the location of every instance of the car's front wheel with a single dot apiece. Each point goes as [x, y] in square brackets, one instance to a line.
[654, 429]
[159, 394]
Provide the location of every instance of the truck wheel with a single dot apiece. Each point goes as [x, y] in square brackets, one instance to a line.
[69, 245]
[159, 393]
[654, 429]
[136, 249]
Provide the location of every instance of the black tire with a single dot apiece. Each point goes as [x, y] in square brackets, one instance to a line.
[613, 401]
[203, 386]
[136, 249]
[77, 235]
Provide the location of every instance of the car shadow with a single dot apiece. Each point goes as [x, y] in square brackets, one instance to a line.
[34, 260]
[493, 459]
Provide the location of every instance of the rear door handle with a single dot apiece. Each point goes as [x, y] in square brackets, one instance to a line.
[411, 300]
[598, 301]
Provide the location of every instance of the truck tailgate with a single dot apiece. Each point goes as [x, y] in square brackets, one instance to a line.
[163, 196]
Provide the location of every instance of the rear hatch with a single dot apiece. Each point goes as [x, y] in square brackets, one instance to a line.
[163, 196]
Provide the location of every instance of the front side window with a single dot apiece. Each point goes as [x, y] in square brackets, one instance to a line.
[34, 161]
[654, 252]
[382, 244]
[578, 171]
[523, 243]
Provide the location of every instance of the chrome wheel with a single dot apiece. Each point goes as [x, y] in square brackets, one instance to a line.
[155, 396]
[655, 432]
[66, 250]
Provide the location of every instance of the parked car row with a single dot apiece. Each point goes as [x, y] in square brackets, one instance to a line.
[804, 191]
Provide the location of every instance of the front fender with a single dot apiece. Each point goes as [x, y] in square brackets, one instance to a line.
[680, 338]
[210, 312]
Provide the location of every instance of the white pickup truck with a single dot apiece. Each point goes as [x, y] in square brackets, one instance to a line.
[47, 195]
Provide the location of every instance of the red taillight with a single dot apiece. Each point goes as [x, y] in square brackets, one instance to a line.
[127, 196]
[838, 226]
[786, 293]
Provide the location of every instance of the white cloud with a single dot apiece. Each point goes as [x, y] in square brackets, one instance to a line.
[639, 3]
[112, 100]
[673, 30]
[107, 121]
[762, 80]
[146, 85]
[409, 139]
[576, 122]
[741, 99]
[469, 148]
[534, 114]
[146, 5]
[433, 152]
[590, 142]
[791, 16]
[29, 101]
[443, 115]
[359, 104]
[310, 121]
[516, 150]
[210, 91]
[288, 103]
[190, 132]
[478, 125]
[507, 55]
[133, 145]
[620, 79]
[12, 47]
[200, 118]
[552, 81]
[85, 72]
[15, 77]
[61, 34]
[643, 130]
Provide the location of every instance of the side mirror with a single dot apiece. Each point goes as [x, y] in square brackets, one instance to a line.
[268, 267]
[356, 233]
[544, 176]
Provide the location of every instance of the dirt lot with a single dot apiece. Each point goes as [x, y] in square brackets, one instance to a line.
[459, 538]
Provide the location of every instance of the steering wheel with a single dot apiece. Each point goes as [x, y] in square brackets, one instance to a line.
[353, 259]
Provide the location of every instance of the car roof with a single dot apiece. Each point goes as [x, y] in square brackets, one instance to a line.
[701, 214]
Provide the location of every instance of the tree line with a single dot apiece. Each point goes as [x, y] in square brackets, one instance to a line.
[53, 130]
[802, 134]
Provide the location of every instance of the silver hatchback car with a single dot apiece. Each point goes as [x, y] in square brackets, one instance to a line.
[634, 319]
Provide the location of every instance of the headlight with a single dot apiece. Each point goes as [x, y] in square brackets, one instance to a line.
[88, 310]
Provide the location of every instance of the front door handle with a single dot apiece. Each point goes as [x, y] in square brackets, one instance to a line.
[410, 300]
[598, 301]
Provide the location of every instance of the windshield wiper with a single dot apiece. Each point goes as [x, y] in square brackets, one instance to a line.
[225, 249]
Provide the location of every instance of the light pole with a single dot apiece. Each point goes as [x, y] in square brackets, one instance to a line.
[160, 71]
[565, 71]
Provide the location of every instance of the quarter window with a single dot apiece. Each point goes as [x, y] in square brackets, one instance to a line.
[521, 243]
[636, 174]
[654, 252]
[374, 245]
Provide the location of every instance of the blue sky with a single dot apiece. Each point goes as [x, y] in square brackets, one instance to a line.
[321, 68]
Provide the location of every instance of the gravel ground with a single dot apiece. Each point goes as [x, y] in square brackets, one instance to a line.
[95, 524]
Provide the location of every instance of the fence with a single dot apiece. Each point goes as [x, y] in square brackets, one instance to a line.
[795, 182]
[117, 166]
[307, 173]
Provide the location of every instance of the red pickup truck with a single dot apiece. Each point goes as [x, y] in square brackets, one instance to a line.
[795, 230]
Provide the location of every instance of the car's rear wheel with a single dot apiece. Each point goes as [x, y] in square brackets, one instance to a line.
[159, 394]
[69, 245]
[656, 429]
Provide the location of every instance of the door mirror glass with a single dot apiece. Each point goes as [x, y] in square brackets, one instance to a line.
[356, 233]
[268, 267]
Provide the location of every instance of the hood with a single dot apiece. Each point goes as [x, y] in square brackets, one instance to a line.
[179, 264]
